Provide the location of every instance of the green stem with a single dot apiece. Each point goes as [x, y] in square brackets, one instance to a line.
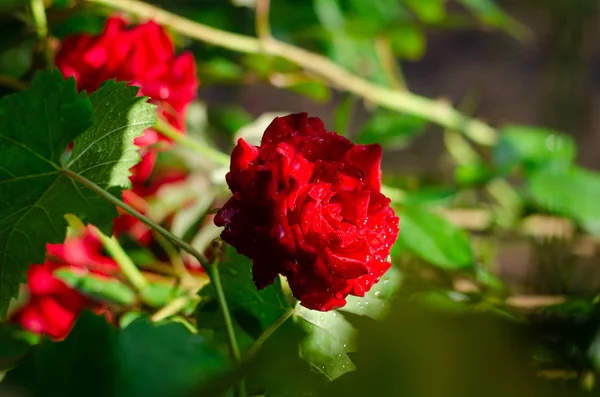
[129, 269]
[268, 332]
[439, 112]
[171, 309]
[211, 269]
[263, 27]
[38, 12]
[210, 153]
[215, 277]
[145, 220]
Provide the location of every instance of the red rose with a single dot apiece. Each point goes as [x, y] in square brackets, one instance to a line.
[53, 306]
[143, 56]
[307, 204]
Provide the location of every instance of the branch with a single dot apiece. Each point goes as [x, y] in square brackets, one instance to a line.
[438, 112]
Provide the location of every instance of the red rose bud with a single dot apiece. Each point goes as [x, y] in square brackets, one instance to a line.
[53, 306]
[307, 204]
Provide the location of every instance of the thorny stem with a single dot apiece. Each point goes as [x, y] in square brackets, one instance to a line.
[435, 111]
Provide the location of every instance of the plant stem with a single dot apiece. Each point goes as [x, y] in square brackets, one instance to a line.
[215, 277]
[213, 154]
[171, 308]
[38, 12]
[268, 332]
[211, 269]
[263, 27]
[147, 221]
[129, 269]
[12, 82]
[438, 112]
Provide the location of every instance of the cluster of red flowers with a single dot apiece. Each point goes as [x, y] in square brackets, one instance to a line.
[306, 203]
[142, 56]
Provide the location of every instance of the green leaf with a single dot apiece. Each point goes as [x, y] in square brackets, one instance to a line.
[83, 21]
[430, 196]
[391, 130]
[476, 173]
[166, 359]
[98, 359]
[569, 191]
[487, 11]
[34, 191]
[105, 152]
[97, 287]
[434, 239]
[220, 68]
[314, 90]
[430, 11]
[14, 345]
[532, 147]
[229, 118]
[408, 41]
[376, 302]
[329, 338]
[343, 115]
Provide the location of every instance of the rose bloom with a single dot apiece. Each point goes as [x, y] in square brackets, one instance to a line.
[53, 306]
[307, 204]
[143, 56]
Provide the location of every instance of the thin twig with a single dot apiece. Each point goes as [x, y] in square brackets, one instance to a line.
[263, 26]
[268, 332]
[38, 12]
